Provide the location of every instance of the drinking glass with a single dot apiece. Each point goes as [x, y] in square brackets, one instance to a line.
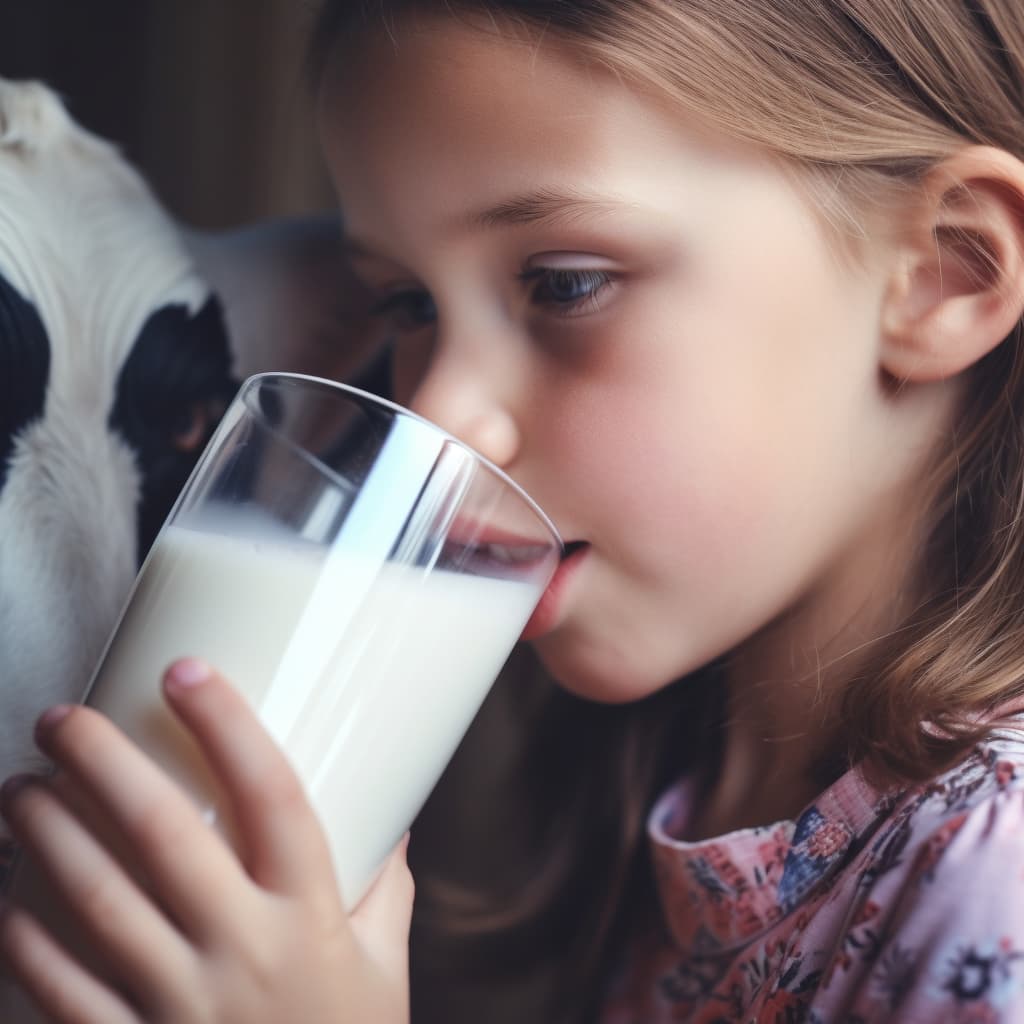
[360, 575]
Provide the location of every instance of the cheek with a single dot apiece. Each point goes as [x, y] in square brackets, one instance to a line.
[706, 446]
[659, 470]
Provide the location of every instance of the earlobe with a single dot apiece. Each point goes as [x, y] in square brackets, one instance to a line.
[958, 290]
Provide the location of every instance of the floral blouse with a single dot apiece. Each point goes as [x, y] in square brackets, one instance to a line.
[869, 907]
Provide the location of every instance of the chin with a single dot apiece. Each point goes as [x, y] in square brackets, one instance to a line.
[593, 666]
[598, 674]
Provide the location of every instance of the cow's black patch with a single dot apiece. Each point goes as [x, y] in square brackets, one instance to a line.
[24, 368]
[178, 368]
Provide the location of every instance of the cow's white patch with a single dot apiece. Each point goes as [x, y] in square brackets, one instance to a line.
[84, 240]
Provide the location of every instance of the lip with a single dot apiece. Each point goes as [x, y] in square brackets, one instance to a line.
[483, 541]
[545, 615]
[467, 532]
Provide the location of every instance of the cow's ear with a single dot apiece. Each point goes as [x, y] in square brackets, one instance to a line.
[31, 115]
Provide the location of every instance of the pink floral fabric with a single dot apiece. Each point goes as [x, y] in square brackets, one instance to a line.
[868, 907]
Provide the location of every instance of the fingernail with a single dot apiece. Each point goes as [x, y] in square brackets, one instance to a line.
[50, 717]
[187, 673]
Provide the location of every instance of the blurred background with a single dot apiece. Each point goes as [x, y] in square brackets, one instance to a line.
[206, 97]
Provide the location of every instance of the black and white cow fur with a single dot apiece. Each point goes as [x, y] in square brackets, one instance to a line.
[114, 366]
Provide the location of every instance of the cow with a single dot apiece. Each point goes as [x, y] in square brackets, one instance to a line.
[117, 357]
[114, 368]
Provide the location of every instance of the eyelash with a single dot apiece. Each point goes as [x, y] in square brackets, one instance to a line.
[408, 305]
[405, 308]
[593, 281]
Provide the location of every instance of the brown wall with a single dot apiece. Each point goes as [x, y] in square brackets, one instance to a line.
[206, 96]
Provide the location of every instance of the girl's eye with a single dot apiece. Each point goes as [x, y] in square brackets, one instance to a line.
[566, 292]
[407, 310]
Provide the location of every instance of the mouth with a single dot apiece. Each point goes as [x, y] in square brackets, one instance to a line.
[483, 549]
[546, 614]
[514, 558]
[571, 547]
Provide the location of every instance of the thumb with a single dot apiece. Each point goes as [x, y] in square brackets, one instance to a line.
[381, 921]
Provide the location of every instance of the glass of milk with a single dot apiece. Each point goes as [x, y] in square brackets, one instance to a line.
[360, 575]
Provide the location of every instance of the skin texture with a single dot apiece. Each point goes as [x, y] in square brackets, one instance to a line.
[689, 378]
[712, 419]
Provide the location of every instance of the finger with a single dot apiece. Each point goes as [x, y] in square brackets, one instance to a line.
[187, 866]
[122, 930]
[283, 845]
[60, 987]
[382, 919]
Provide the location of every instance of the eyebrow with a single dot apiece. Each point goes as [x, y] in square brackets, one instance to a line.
[540, 206]
[543, 205]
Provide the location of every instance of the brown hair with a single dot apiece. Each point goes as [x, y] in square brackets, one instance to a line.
[863, 96]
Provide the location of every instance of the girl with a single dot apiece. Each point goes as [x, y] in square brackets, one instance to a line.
[735, 290]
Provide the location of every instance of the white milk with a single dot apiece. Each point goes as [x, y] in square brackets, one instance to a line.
[369, 692]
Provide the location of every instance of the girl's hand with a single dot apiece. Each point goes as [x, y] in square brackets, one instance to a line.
[213, 936]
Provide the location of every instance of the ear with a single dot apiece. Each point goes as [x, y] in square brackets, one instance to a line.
[31, 115]
[959, 287]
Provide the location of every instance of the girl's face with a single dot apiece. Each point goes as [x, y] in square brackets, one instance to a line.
[646, 326]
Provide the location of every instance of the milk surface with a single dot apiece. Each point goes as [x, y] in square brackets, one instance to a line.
[367, 676]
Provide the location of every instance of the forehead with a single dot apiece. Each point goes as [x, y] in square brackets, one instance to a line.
[438, 118]
[443, 116]
[437, 83]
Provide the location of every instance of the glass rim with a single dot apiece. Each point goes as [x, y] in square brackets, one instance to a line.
[368, 397]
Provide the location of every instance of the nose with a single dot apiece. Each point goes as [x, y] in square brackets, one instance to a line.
[472, 400]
